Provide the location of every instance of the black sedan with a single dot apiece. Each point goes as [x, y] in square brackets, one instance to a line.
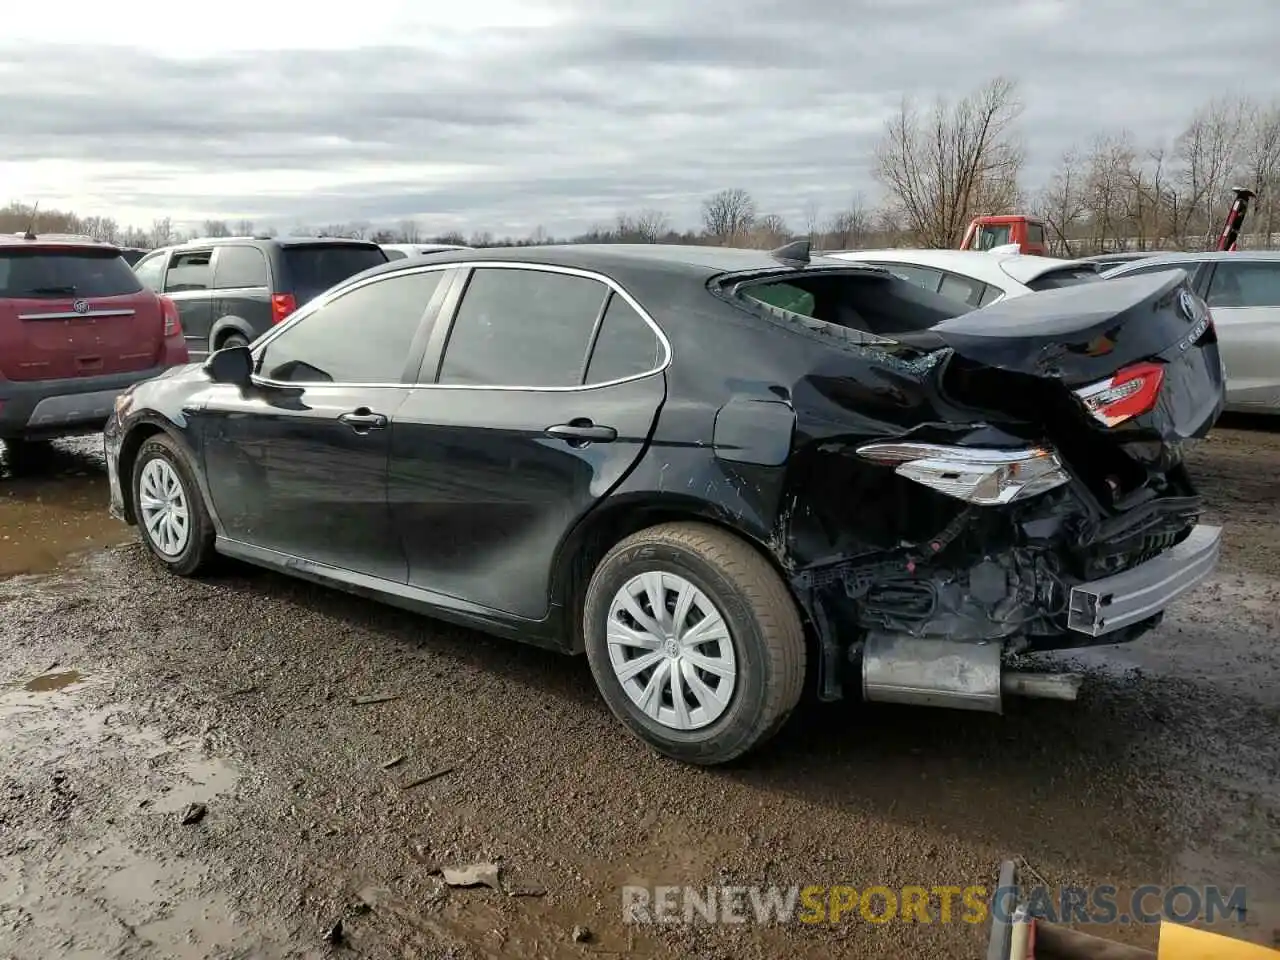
[722, 474]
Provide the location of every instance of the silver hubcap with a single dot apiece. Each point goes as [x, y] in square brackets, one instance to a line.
[671, 651]
[163, 505]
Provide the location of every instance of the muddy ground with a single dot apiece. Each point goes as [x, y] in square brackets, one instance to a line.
[127, 695]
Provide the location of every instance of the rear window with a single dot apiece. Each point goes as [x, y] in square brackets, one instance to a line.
[313, 270]
[1066, 277]
[33, 274]
[882, 306]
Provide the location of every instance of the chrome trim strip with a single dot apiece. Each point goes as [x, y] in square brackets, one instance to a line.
[72, 315]
[303, 312]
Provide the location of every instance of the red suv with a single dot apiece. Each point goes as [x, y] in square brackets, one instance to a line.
[76, 328]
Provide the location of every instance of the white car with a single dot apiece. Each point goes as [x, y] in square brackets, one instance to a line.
[398, 251]
[1242, 288]
[975, 277]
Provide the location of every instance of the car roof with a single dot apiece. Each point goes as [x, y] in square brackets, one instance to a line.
[693, 260]
[1202, 256]
[42, 241]
[993, 268]
[279, 241]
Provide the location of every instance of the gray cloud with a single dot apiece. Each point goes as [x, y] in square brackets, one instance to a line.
[624, 105]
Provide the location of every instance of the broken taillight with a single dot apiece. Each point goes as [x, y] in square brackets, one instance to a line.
[1124, 395]
[983, 476]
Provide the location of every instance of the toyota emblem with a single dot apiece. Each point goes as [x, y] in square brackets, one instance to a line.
[80, 306]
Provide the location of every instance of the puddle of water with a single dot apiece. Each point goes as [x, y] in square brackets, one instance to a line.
[55, 507]
[49, 682]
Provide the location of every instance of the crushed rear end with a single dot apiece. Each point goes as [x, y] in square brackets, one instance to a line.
[1006, 481]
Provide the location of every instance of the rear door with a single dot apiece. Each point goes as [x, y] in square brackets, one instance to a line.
[535, 402]
[70, 312]
[187, 282]
[241, 293]
[311, 269]
[1245, 298]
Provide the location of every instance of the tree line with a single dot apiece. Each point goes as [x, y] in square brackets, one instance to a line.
[937, 166]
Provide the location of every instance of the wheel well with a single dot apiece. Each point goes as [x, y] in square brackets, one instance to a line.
[224, 334]
[129, 447]
[612, 528]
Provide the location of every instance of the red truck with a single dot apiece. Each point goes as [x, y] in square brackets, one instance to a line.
[988, 232]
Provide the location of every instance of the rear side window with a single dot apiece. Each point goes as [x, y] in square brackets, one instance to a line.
[1065, 277]
[990, 294]
[33, 274]
[1245, 284]
[395, 254]
[239, 267]
[313, 270]
[189, 271]
[965, 289]
[921, 276]
[626, 345]
[522, 328]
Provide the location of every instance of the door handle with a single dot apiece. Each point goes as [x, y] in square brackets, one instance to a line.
[362, 420]
[582, 431]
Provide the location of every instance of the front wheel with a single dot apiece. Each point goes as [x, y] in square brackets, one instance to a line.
[172, 519]
[694, 641]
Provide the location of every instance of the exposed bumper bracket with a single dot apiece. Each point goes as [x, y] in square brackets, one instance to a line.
[1102, 606]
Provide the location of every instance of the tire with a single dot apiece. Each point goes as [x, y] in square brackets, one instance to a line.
[233, 340]
[161, 462]
[764, 634]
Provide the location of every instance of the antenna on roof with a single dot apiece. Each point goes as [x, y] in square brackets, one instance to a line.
[29, 234]
[793, 254]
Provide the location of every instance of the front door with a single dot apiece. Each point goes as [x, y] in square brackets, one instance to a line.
[542, 400]
[297, 464]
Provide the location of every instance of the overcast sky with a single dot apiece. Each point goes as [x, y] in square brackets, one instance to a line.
[508, 114]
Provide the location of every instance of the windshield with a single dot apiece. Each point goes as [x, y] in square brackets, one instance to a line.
[313, 270]
[33, 274]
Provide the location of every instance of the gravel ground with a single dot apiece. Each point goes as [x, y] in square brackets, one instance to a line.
[127, 695]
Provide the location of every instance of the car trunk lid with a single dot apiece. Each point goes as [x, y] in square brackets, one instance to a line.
[70, 312]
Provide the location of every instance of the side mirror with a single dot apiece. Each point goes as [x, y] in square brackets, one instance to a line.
[230, 365]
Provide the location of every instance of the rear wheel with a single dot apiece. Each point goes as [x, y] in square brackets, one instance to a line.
[694, 642]
[172, 519]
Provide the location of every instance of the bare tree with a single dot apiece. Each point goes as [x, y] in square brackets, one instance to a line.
[244, 228]
[813, 221]
[770, 231]
[1261, 161]
[850, 228]
[216, 228]
[727, 216]
[408, 232]
[161, 231]
[960, 160]
[1061, 203]
[1210, 151]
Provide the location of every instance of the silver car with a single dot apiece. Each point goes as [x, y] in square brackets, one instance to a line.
[1243, 291]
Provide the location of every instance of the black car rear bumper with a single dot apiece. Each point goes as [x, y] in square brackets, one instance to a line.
[43, 409]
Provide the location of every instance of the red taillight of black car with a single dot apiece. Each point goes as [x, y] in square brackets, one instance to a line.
[1126, 394]
[282, 304]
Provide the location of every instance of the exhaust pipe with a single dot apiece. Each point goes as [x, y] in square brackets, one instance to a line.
[947, 673]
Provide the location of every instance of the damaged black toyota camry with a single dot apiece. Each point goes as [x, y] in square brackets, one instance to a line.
[725, 475]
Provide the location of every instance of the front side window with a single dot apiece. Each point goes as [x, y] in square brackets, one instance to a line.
[1244, 283]
[626, 345]
[522, 328]
[363, 336]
